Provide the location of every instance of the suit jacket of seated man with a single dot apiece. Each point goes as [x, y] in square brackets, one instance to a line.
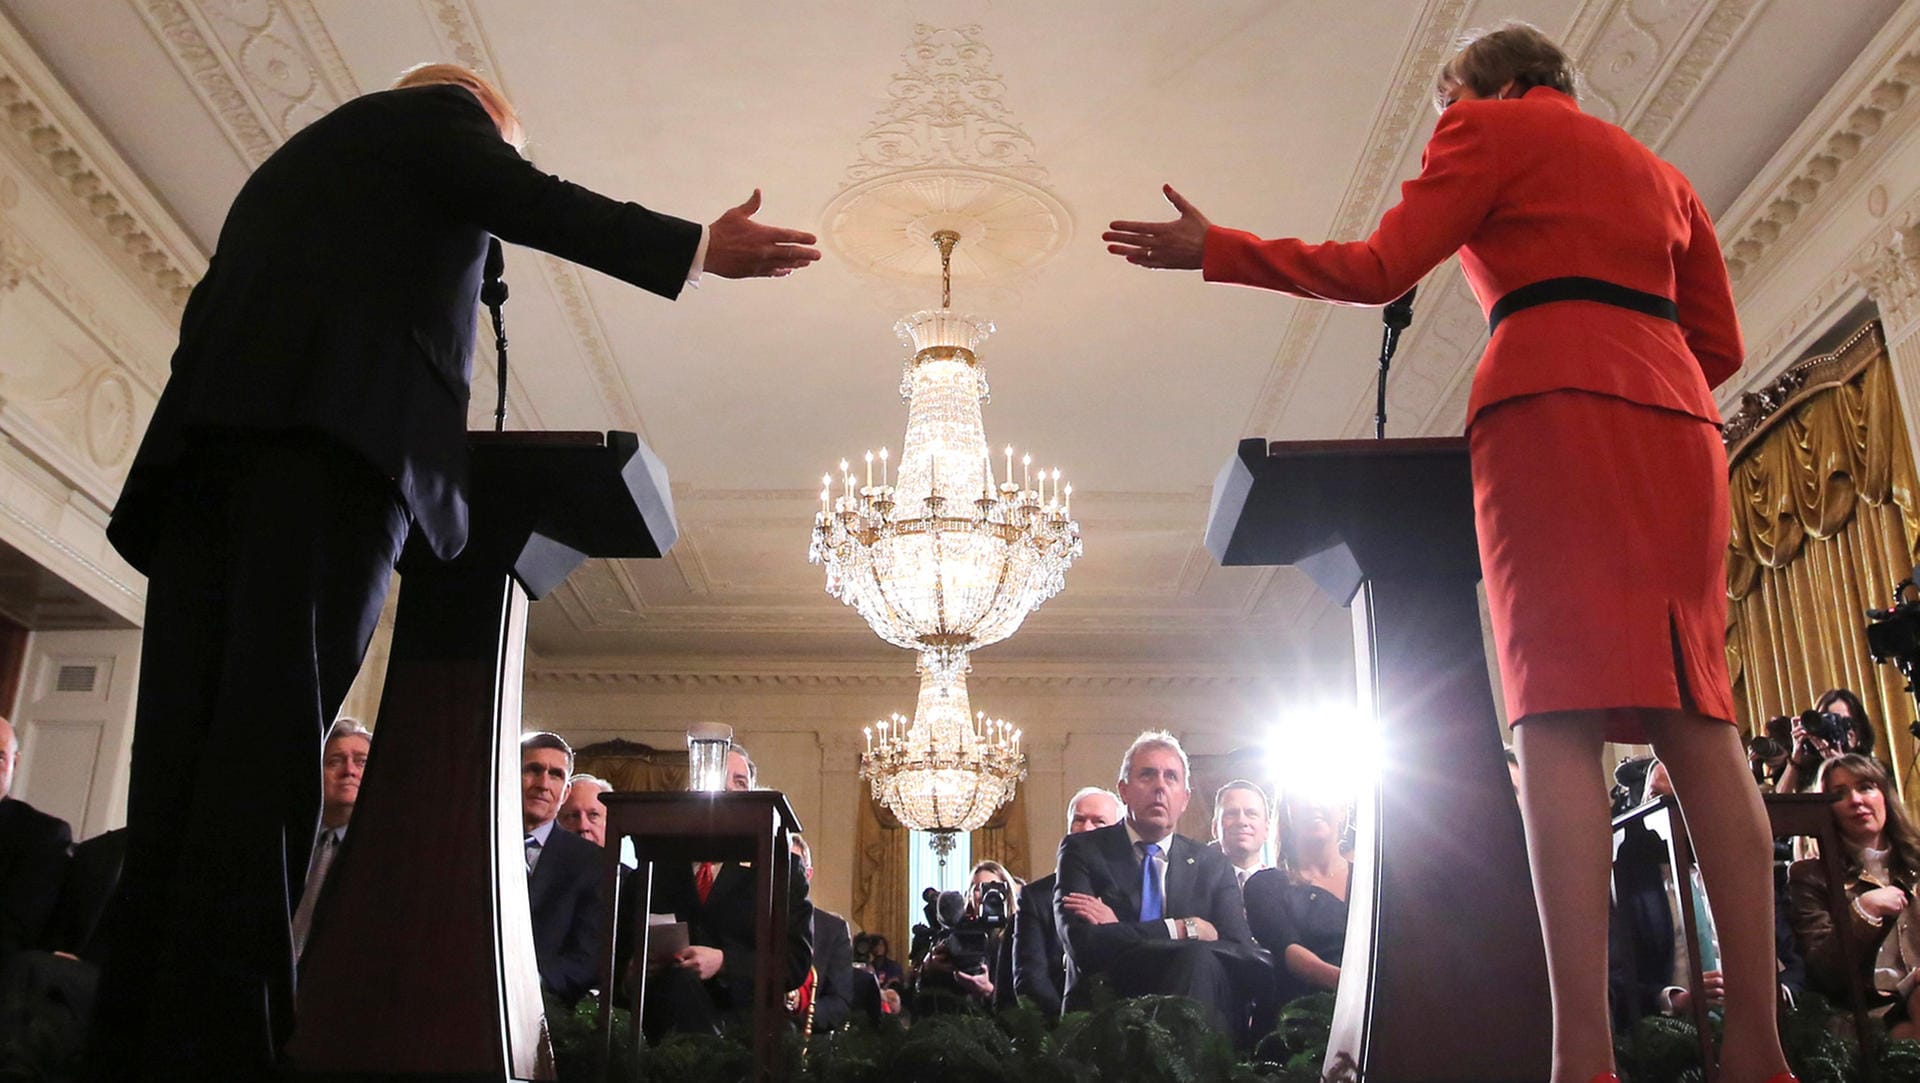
[833, 971]
[1103, 863]
[33, 865]
[569, 913]
[726, 921]
[1039, 958]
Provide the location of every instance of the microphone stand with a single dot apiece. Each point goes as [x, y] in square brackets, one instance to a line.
[1395, 318]
[493, 294]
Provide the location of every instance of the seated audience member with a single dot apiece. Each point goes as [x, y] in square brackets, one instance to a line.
[710, 981]
[987, 980]
[1882, 853]
[582, 813]
[886, 969]
[1039, 958]
[1241, 827]
[343, 761]
[33, 859]
[1649, 969]
[563, 873]
[1299, 910]
[826, 996]
[1152, 911]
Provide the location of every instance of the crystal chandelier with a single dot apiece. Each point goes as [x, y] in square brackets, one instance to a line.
[947, 557]
[944, 770]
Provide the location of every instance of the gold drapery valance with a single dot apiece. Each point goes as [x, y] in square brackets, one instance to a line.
[1824, 525]
[1004, 837]
[633, 767]
[880, 873]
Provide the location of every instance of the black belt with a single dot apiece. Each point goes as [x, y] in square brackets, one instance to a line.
[1549, 290]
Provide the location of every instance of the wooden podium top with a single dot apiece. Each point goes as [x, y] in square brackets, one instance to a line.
[677, 825]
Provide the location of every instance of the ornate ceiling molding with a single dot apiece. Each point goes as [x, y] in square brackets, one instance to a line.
[55, 139]
[22, 260]
[458, 30]
[1873, 102]
[751, 677]
[263, 69]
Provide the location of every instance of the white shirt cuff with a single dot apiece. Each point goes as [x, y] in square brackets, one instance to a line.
[1173, 927]
[699, 260]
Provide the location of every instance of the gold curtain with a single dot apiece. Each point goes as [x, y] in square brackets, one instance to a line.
[1824, 525]
[1004, 837]
[880, 874]
[633, 767]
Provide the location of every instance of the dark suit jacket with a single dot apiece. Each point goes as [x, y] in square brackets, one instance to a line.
[1200, 883]
[33, 863]
[1039, 959]
[568, 913]
[341, 296]
[726, 921]
[833, 970]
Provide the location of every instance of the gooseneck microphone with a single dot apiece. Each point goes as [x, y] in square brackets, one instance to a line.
[1395, 318]
[493, 294]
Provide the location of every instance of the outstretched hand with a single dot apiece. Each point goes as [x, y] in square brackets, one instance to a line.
[739, 247]
[1175, 245]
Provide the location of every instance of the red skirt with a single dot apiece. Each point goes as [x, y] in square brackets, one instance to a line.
[1603, 540]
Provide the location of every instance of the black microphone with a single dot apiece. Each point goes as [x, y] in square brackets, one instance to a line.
[493, 293]
[953, 906]
[1397, 316]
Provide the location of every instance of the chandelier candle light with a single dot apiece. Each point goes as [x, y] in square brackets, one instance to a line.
[942, 558]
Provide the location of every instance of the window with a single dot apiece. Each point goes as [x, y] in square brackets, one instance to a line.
[924, 870]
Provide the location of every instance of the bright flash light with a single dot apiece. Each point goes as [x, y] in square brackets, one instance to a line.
[1328, 755]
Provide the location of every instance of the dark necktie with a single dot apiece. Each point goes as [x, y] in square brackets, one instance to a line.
[533, 853]
[1151, 904]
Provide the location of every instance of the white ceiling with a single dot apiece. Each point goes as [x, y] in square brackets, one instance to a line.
[1276, 115]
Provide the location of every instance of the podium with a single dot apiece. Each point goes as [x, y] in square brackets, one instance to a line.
[420, 961]
[1441, 898]
[755, 826]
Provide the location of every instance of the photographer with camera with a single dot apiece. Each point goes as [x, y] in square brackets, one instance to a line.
[972, 951]
[1837, 724]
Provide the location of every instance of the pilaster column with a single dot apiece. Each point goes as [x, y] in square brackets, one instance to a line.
[832, 838]
[1890, 271]
[1046, 802]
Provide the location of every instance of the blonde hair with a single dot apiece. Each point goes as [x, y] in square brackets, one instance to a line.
[1516, 53]
[490, 97]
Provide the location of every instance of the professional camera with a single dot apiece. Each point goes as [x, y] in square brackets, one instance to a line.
[922, 941]
[1893, 633]
[966, 938]
[1826, 726]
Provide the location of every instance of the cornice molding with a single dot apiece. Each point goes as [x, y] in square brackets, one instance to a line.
[73, 161]
[1873, 103]
[22, 260]
[616, 676]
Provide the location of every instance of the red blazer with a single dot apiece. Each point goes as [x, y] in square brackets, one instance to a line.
[1528, 189]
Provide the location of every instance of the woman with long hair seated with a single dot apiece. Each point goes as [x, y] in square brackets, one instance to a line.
[1882, 852]
[1298, 911]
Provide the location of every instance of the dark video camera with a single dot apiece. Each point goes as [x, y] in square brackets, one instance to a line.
[965, 938]
[1893, 633]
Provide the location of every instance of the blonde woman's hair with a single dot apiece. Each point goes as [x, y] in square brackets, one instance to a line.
[1515, 53]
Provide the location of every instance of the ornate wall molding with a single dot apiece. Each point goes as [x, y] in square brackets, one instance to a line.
[1874, 101]
[75, 162]
[23, 261]
[894, 679]
[458, 29]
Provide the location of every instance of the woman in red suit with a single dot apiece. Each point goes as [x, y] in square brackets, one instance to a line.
[1600, 486]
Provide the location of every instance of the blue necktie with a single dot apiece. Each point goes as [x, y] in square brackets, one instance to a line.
[1150, 902]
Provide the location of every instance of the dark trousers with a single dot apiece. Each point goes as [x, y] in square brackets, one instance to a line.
[264, 591]
[1188, 968]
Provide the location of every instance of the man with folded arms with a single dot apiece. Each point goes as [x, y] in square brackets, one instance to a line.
[1039, 959]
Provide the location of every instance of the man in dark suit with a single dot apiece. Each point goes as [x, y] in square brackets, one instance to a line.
[33, 859]
[316, 415]
[828, 989]
[710, 980]
[1149, 910]
[563, 873]
[1039, 959]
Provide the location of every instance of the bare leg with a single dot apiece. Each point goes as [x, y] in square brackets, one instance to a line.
[1564, 805]
[1728, 825]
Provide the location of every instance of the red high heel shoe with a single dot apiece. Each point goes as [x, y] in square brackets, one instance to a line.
[1609, 1077]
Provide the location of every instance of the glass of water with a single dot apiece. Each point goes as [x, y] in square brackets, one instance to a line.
[707, 745]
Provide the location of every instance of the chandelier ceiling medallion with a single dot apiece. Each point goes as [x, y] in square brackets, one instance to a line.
[947, 549]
